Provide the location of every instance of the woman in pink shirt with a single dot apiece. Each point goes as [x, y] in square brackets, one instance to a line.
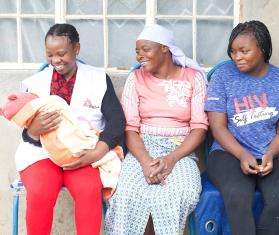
[163, 101]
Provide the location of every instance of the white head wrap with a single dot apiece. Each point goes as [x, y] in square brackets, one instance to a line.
[159, 34]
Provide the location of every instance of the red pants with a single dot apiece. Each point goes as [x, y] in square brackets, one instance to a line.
[43, 181]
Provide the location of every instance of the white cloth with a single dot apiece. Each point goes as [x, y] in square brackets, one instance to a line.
[159, 34]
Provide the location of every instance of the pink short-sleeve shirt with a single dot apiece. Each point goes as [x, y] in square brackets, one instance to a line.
[165, 107]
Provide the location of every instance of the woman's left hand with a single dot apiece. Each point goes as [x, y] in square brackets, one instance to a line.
[156, 169]
[267, 165]
[84, 158]
[165, 167]
[88, 156]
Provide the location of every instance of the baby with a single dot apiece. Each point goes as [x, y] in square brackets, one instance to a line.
[68, 139]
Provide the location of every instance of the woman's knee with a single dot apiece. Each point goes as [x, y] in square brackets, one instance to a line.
[271, 205]
[194, 191]
[237, 199]
[93, 188]
[193, 199]
[86, 183]
[43, 191]
[87, 191]
[42, 181]
[40, 195]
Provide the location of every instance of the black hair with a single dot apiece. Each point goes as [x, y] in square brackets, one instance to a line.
[66, 30]
[259, 31]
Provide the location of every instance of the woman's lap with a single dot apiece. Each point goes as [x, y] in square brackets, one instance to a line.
[225, 172]
[168, 204]
[43, 181]
[45, 175]
[41, 177]
[238, 189]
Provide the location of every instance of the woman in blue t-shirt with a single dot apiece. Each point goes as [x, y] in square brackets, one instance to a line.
[242, 105]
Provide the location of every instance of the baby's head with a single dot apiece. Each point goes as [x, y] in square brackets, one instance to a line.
[14, 103]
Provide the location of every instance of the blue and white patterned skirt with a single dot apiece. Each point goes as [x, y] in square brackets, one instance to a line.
[169, 204]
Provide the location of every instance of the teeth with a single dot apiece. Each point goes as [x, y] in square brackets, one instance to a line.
[143, 63]
[59, 67]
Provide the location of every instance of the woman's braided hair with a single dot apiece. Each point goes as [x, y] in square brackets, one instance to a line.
[66, 30]
[259, 31]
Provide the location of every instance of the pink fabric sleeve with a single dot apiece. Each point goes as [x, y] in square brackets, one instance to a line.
[198, 115]
[130, 104]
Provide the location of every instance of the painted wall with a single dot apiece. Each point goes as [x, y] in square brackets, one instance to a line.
[264, 10]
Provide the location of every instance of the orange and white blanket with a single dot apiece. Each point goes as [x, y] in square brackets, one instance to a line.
[70, 138]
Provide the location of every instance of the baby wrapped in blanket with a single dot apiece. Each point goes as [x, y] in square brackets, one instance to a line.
[68, 139]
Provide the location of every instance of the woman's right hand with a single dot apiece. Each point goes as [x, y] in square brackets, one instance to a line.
[149, 166]
[43, 123]
[249, 165]
[145, 165]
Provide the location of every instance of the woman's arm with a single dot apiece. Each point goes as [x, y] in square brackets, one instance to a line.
[198, 120]
[272, 152]
[136, 147]
[112, 135]
[218, 124]
[216, 106]
[42, 123]
[130, 103]
[198, 124]
[32, 140]
[189, 145]
[273, 149]
[115, 122]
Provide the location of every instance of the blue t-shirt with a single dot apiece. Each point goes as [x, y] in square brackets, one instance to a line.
[251, 105]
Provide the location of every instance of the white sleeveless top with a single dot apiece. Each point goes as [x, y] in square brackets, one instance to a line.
[90, 87]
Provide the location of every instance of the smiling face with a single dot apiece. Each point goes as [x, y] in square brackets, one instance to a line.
[61, 54]
[247, 55]
[150, 55]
